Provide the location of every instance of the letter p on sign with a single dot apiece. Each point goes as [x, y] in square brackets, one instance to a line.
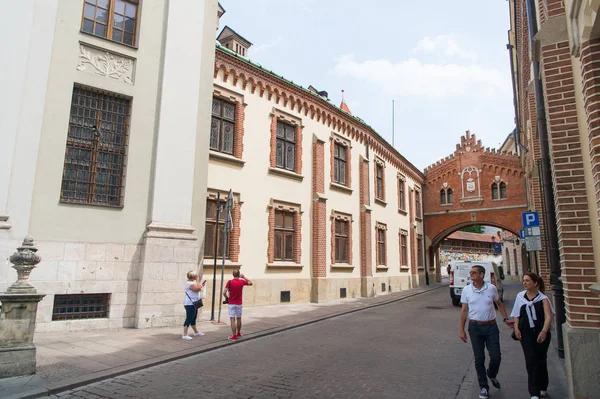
[531, 219]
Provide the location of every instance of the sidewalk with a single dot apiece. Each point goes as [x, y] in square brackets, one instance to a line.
[70, 359]
[513, 375]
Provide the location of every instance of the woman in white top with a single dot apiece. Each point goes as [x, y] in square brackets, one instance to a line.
[192, 289]
[533, 318]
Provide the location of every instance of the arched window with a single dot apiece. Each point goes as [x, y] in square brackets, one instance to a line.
[449, 196]
[502, 190]
[443, 197]
[495, 193]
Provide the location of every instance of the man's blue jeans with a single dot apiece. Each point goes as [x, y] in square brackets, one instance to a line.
[482, 336]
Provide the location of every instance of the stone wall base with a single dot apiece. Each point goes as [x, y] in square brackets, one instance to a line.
[582, 356]
[17, 361]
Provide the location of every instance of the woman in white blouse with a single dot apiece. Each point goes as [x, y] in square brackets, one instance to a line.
[192, 294]
[533, 318]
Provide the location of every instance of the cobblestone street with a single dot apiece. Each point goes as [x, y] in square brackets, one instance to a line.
[407, 349]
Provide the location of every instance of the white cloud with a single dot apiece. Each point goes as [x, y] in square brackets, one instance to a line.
[444, 45]
[412, 77]
[263, 47]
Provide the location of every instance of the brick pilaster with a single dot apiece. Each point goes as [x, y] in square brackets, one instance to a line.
[319, 212]
[273, 154]
[297, 252]
[271, 237]
[366, 259]
[412, 242]
[298, 159]
[234, 236]
[238, 140]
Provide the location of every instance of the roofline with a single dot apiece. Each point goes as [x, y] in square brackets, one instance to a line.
[328, 103]
[241, 37]
[508, 137]
[222, 8]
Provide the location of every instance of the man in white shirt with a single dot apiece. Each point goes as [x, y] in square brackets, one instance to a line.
[478, 303]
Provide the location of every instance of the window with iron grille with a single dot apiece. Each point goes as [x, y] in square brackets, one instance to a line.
[341, 241]
[284, 235]
[214, 231]
[115, 20]
[401, 199]
[96, 148]
[403, 250]
[222, 128]
[381, 255]
[379, 182]
[286, 146]
[80, 306]
[339, 163]
[417, 203]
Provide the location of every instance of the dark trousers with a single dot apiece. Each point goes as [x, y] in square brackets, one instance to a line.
[535, 360]
[191, 313]
[483, 336]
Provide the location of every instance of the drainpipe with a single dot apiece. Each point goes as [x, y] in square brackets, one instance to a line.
[515, 104]
[422, 192]
[552, 252]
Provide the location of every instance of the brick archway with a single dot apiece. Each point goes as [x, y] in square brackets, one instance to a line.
[473, 186]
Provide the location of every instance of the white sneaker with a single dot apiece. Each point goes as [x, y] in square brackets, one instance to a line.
[535, 397]
[186, 337]
[544, 394]
[198, 334]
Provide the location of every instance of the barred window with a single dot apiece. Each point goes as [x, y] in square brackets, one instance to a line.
[115, 20]
[96, 148]
[339, 163]
[222, 128]
[286, 146]
[284, 235]
[80, 306]
[214, 231]
[341, 241]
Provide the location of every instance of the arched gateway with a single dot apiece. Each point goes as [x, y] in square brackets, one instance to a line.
[473, 186]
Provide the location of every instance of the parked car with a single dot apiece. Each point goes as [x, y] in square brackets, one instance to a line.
[460, 278]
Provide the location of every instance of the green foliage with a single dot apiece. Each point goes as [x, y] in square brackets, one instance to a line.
[473, 229]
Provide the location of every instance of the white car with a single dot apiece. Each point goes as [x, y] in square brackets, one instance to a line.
[460, 278]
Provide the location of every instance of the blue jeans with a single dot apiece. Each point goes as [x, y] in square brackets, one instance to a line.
[482, 336]
[191, 313]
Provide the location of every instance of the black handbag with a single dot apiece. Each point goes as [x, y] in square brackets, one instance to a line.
[197, 304]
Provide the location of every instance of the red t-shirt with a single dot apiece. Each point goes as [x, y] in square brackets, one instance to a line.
[235, 290]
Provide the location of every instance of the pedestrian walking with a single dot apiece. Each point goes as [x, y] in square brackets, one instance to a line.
[192, 294]
[478, 300]
[233, 296]
[533, 317]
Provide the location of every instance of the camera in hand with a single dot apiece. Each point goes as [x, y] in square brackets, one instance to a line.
[226, 301]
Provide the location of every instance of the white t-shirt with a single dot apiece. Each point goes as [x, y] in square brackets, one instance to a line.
[193, 295]
[480, 302]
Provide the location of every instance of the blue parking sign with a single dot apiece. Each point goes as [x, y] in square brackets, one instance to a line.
[522, 233]
[531, 219]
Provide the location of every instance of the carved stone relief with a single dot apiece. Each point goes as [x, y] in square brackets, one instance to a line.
[105, 63]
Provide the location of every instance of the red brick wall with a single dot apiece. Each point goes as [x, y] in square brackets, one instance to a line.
[298, 237]
[319, 212]
[238, 139]
[298, 159]
[273, 155]
[366, 260]
[234, 236]
[271, 238]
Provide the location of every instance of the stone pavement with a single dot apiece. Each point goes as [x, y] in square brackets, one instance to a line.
[70, 359]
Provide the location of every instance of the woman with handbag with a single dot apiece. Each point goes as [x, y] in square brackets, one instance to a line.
[532, 313]
[192, 302]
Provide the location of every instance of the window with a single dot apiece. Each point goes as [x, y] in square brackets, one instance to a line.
[403, 250]
[115, 20]
[222, 127]
[446, 196]
[80, 306]
[499, 191]
[420, 250]
[339, 163]
[401, 198]
[96, 148]
[341, 241]
[443, 197]
[286, 146]
[417, 204]
[449, 196]
[381, 255]
[379, 181]
[214, 230]
[284, 235]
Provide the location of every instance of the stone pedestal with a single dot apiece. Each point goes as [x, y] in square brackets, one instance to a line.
[582, 356]
[17, 324]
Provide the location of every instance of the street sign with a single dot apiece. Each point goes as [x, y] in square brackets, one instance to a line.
[497, 248]
[532, 231]
[522, 233]
[531, 219]
[533, 243]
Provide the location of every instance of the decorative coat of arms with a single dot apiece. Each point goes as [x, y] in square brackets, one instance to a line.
[470, 185]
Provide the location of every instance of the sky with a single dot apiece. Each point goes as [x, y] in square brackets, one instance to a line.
[443, 63]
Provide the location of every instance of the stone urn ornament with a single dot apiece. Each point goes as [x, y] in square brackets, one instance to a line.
[24, 261]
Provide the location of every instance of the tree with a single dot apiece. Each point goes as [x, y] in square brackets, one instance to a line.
[473, 229]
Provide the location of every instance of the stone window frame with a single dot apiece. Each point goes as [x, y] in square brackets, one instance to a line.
[444, 192]
[347, 217]
[285, 117]
[418, 202]
[402, 198]
[340, 140]
[381, 227]
[236, 158]
[379, 165]
[234, 235]
[496, 186]
[403, 235]
[296, 209]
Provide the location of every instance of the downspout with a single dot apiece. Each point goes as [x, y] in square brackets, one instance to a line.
[422, 192]
[552, 251]
[515, 103]
[516, 81]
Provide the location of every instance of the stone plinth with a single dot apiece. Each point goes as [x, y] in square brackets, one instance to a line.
[17, 325]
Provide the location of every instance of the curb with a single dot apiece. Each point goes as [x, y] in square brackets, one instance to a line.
[72, 383]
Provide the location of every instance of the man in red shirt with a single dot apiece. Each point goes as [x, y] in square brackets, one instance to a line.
[233, 296]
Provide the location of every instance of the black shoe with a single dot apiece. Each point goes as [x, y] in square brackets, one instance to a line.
[495, 383]
[483, 394]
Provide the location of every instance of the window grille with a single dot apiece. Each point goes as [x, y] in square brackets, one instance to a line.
[80, 306]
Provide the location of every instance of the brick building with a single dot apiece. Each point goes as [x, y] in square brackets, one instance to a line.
[560, 106]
